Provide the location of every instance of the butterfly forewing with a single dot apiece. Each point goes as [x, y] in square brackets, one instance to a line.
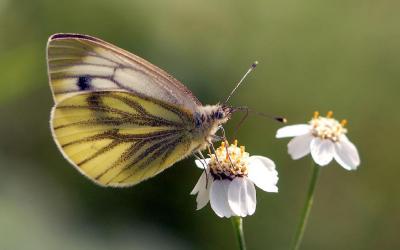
[80, 63]
[119, 138]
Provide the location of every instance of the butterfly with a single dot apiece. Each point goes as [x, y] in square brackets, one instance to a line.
[119, 119]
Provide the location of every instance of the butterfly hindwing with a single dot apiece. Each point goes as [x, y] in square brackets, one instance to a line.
[119, 138]
[80, 63]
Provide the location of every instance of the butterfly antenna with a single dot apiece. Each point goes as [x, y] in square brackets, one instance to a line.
[247, 110]
[252, 67]
[280, 119]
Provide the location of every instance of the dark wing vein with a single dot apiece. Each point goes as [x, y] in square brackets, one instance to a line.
[144, 137]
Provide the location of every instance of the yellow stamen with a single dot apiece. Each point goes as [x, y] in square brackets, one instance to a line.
[316, 114]
[326, 127]
[235, 142]
[242, 150]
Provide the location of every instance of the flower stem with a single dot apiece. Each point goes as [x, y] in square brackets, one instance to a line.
[307, 207]
[237, 223]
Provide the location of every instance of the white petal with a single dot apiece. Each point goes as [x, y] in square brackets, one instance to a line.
[242, 197]
[346, 154]
[322, 151]
[200, 184]
[202, 189]
[201, 164]
[263, 173]
[299, 146]
[204, 195]
[219, 198]
[293, 130]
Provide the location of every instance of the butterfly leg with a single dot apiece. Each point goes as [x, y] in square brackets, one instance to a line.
[222, 137]
[213, 150]
[226, 143]
[202, 156]
[217, 138]
[211, 146]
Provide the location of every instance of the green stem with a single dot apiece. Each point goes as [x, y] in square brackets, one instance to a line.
[307, 207]
[237, 223]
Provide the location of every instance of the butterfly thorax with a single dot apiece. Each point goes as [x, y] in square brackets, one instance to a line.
[207, 121]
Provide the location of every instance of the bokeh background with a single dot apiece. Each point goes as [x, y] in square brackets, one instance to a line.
[314, 55]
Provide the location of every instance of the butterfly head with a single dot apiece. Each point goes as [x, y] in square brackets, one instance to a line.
[213, 115]
[223, 113]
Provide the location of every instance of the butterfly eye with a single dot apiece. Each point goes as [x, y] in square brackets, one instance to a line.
[219, 115]
[197, 122]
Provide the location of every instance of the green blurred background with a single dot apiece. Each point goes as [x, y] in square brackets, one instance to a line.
[314, 55]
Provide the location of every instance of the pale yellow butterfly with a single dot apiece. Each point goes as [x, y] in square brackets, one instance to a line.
[118, 118]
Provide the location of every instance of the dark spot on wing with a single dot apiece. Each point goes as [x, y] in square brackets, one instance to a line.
[84, 82]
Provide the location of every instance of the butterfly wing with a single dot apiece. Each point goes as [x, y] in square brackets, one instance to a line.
[80, 63]
[119, 138]
[117, 118]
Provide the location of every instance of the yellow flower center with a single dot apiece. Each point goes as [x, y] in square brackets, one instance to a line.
[327, 127]
[229, 161]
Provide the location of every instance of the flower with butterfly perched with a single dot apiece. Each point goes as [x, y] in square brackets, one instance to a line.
[325, 138]
[228, 180]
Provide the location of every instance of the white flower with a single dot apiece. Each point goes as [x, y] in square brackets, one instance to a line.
[325, 138]
[228, 181]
